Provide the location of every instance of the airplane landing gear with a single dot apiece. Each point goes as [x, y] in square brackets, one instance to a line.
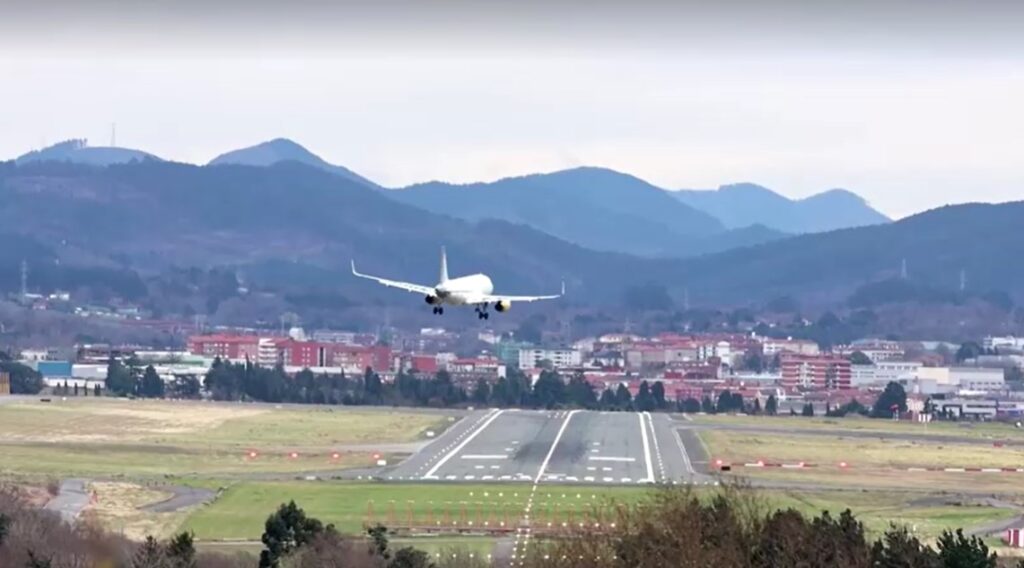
[481, 312]
[438, 310]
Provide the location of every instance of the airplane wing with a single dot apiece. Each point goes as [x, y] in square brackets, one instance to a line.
[407, 286]
[499, 298]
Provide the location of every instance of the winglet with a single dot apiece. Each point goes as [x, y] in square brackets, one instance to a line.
[354, 267]
[563, 288]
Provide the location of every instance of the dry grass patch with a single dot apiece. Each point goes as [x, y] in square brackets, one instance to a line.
[116, 507]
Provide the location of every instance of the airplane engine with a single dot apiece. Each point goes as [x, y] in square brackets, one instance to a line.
[502, 306]
[432, 300]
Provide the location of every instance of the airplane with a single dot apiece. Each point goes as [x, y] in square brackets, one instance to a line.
[475, 289]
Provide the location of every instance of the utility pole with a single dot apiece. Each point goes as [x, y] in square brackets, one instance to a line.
[24, 279]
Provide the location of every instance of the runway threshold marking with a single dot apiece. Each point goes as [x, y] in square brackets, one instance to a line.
[647, 448]
[449, 455]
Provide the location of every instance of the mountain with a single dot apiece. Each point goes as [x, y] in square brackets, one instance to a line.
[593, 207]
[79, 152]
[978, 239]
[284, 150]
[745, 204]
[293, 227]
[288, 225]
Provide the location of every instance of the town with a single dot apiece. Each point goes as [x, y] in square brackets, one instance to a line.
[974, 381]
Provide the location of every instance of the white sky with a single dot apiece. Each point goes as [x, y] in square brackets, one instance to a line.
[908, 125]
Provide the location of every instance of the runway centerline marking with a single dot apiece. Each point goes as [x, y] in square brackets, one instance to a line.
[554, 444]
[611, 459]
[647, 449]
[449, 455]
[484, 457]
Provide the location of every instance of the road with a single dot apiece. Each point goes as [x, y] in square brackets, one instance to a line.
[849, 433]
[556, 446]
[72, 498]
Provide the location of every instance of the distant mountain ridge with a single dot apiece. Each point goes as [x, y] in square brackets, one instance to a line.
[284, 150]
[597, 208]
[78, 151]
[745, 204]
[145, 216]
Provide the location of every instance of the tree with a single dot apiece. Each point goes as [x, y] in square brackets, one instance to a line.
[892, 399]
[808, 410]
[151, 386]
[859, 358]
[725, 401]
[957, 550]
[771, 406]
[24, 379]
[608, 399]
[899, 549]
[409, 557]
[120, 381]
[623, 398]
[149, 555]
[181, 551]
[373, 388]
[580, 392]
[968, 350]
[5, 524]
[286, 530]
[481, 392]
[644, 401]
[658, 392]
[756, 406]
[97, 390]
[186, 387]
[549, 390]
[706, 405]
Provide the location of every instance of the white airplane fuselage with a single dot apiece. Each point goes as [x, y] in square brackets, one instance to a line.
[461, 291]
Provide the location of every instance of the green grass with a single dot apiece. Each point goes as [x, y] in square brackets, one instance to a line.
[111, 437]
[242, 509]
[878, 509]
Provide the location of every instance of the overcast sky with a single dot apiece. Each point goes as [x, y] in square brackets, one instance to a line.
[912, 104]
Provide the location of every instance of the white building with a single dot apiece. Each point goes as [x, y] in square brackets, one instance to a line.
[530, 358]
[1003, 342]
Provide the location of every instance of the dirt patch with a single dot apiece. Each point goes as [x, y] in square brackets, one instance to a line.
[117, 507]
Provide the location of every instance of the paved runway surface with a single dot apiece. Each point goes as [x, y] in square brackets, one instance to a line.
[555, 447]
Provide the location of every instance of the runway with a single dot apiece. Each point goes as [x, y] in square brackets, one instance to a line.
[559, 446]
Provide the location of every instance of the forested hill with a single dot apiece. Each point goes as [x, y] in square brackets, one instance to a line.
[294, 226]
[981, 240]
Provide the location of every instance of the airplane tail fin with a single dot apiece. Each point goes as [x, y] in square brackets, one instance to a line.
[444, 266]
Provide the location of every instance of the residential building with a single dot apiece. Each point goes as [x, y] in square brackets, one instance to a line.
[815, 371]
[770, 347]
[559, 357]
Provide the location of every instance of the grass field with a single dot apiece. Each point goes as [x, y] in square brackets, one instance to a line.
[110, 437]
[872, 463]
[240, 512]
[860, 452]
[980, 430]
